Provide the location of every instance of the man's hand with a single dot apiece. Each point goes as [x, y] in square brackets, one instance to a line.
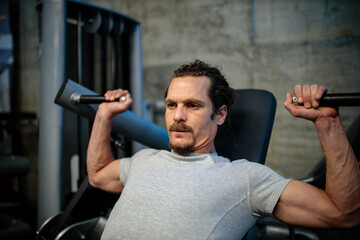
[113, 108]
[309, 96]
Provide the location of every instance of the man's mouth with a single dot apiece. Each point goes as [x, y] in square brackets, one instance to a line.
[179, 130]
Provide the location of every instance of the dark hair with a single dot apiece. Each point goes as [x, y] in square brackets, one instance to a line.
[219, 91]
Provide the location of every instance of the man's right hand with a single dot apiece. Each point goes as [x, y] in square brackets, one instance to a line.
[113, 108]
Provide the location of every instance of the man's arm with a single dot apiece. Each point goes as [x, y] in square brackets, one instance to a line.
[339, 205]
[102, 168]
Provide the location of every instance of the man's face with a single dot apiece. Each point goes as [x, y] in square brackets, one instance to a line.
[188, 115]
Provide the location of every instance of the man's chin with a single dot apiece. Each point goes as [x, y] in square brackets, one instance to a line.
[181, 150]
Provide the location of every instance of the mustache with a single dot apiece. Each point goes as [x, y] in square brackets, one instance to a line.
[180, 127]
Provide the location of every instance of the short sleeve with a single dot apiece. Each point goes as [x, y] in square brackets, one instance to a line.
[266, 187]
[124, 166]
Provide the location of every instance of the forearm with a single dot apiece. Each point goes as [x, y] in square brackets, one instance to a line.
[99, 150]
[342, 169]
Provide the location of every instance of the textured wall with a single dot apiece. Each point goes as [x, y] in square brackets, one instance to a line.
[304, 42]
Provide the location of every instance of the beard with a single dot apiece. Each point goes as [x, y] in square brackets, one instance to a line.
[182, 150]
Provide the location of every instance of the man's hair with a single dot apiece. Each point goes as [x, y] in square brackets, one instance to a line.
[219, 91]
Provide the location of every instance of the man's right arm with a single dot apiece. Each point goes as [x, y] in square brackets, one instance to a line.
[102, 168]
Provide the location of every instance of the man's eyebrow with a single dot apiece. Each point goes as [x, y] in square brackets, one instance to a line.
[186, 100]
[194, 100]
[168, 100]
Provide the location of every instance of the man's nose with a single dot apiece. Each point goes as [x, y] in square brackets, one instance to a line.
[180, 114]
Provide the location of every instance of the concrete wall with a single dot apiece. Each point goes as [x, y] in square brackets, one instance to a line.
[271, 45]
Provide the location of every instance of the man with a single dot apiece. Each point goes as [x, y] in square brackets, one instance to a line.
[192, 193]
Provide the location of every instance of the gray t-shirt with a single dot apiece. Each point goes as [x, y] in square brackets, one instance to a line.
[201, 196]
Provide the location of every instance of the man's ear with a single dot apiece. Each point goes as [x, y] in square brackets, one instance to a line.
[221, 115]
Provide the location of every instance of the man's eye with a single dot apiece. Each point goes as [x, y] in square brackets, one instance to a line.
[170, 105]
[192, 105]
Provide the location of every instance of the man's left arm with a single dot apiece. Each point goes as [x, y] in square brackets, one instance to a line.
[339, 205]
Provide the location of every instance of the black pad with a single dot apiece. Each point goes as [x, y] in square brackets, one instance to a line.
[251, 121]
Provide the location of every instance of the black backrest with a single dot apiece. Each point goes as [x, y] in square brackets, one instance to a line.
[251, 121]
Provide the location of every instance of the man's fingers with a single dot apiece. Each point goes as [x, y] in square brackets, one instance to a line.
[115, 94]
[309, 96]
[298, 94]
[127, 98]
[306, 96]
[320, 92]
[288, 102]
[314, 100]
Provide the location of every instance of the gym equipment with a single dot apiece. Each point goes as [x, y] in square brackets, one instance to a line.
[127, 123]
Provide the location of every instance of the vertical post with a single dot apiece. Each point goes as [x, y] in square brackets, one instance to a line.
[136, 75]
[51, 115]
[103, 78]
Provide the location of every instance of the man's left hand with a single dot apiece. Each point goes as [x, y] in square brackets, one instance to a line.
[308, 97]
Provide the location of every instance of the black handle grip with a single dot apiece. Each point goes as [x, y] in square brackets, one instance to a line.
[91, 99]
[338, 100]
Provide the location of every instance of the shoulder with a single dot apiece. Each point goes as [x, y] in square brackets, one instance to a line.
[146, 152]
[220, 159]
[140, 156]
[249, 165]
[255, 170]
[245, 164]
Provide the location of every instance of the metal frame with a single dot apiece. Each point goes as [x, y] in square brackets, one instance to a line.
[55, 17]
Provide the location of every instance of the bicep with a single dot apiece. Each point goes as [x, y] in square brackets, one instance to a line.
[305, 205]
[108, 178]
